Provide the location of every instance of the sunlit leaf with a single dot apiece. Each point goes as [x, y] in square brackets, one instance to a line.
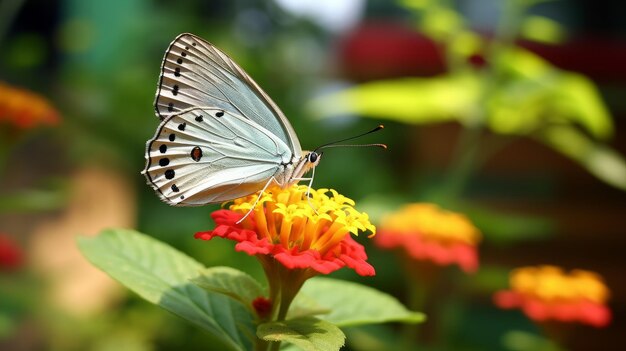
[309, 334]
[466, 43]
[520, 63]
[161, 274]
[579, 99]
[603, 162]
[355, 304]
[409, 100]
[533, 94]
[440, 22]
[542, 29]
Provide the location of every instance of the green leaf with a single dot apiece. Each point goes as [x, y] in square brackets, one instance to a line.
[542, 29]
[533, 94]
[309, 334]
[441, 22]
[517, 340]
[408, 100]
[230, 282]
[355, 304]
[579, 100]
[161, 274]
[601, 161]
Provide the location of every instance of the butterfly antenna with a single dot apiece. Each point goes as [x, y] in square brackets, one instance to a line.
[337, 143]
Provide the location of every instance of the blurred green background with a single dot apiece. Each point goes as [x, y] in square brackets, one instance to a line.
[527, 142]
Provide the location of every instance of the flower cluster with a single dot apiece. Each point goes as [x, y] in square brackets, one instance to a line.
[428, 232]
[23, 109]
[299, 227]
[548, 293]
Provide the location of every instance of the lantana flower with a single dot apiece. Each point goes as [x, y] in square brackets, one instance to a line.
[296, 233]
[547, 293]
[429, 233]
[11, 255]
[23, 109]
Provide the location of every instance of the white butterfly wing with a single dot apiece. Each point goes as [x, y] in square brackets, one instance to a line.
[195, 73]
[207, 155]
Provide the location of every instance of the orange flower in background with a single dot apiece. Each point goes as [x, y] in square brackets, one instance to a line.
[430, 233]
[24, 109]
[548, 293]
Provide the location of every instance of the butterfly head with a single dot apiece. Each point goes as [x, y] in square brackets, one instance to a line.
[312, 159]
[295, 172]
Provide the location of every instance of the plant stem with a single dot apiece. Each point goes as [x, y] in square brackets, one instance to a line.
[466, 156]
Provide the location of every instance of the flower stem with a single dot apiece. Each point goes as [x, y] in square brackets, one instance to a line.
[467, 156]
[284, 285]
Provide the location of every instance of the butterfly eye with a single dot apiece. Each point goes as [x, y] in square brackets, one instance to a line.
[313, 157]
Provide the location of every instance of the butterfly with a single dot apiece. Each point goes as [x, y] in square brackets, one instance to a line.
[221, 137]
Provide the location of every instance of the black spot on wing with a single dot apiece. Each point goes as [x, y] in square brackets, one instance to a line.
[196, 153]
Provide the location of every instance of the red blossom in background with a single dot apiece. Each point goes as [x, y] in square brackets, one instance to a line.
[428, 233]
[11, 255]
[547, 293]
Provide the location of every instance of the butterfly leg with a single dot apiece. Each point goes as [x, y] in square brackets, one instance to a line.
[257, 199]
[308, 189]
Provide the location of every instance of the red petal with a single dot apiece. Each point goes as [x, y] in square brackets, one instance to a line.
[347, 252]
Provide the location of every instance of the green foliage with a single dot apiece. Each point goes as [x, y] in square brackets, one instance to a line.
[177, 283]
[309, 334]
[406, 100]
[161, 275]
[524, 341]
[602, 161]
[516, 93]
[230, 282]
[353, 304]
[542, 29]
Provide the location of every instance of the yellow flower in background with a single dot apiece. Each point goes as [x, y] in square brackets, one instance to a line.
[428, 232]
[549, 293]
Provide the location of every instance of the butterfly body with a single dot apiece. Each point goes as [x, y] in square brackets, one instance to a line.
[221, 137]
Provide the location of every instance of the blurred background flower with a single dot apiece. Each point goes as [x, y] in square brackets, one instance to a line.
[547, 293]
[23, 109]
[426, 232]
